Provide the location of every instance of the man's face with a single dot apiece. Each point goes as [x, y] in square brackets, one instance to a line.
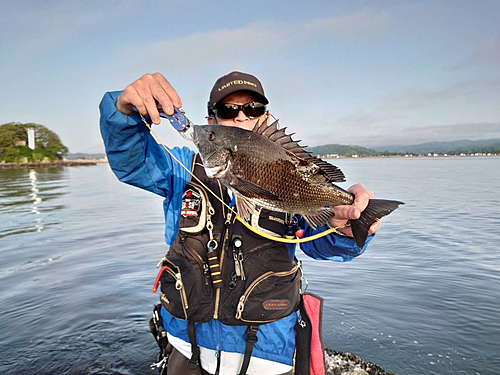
[241, 121]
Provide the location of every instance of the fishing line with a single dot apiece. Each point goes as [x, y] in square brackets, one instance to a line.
[240, 219]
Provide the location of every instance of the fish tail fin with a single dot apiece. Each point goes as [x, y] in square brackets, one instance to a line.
[376, 209]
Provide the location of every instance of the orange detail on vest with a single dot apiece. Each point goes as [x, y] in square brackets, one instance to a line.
[157, 281]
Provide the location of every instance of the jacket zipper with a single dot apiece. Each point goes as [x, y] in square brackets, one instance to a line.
[244, 297]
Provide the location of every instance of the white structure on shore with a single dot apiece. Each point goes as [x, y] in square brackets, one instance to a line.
[31, 138]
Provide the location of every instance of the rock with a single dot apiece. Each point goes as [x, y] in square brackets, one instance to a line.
[338, 363]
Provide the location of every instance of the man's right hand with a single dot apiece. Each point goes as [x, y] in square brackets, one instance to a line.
[145, 92]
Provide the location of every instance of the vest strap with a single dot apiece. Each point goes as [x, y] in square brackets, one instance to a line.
[194, 362]
[251, 340]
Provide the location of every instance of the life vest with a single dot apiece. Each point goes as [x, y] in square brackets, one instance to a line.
[238, 277]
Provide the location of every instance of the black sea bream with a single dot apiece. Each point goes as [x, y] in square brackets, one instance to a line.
[265, 167]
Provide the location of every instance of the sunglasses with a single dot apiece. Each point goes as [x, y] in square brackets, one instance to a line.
[230, 111]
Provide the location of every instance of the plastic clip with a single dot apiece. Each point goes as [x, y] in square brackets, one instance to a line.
[178, 120]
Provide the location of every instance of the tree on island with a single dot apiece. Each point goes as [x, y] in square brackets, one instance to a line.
[14, 140]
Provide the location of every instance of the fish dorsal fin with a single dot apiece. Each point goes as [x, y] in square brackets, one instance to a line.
[259, 127]
[271, 129]
[279, 136]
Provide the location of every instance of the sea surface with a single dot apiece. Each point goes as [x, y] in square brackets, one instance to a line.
[78, 255]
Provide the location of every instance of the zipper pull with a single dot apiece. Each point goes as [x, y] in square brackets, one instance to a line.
[233, 281]
[206, 270]
[228, 218]
[241, 307]
[178, 283]
[238, 265]
[157, 282]
[217, 355]
[240, 261]
[161, 262]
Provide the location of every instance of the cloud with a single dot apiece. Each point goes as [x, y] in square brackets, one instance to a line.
[44, 28]
[450, 132]
[251, 42]
[464, 110]
[255, 41]
[365, 21]
[487, 52]
[413, 135]
[466, 92]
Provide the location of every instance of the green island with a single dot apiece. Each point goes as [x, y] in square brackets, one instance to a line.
[14, 144]
[47, 149]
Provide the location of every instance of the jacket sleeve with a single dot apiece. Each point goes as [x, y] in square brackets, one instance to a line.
[331, 247]
[137, 159]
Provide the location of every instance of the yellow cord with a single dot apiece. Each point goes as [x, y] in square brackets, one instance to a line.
[269, 237]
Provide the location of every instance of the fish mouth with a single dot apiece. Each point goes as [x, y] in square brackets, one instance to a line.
[219, 171]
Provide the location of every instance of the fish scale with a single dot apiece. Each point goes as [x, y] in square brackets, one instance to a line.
[282, 179]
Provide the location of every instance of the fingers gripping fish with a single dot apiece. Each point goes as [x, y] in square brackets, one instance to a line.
[265, 167]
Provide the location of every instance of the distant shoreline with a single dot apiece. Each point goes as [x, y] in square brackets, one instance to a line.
[54, 164]
[90, 162]
[406, 156]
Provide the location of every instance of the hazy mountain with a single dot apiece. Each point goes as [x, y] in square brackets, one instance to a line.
[80, 155]
[443, 147]
[342, 150]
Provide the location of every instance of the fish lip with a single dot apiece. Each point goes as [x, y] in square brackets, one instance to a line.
[226, 169]
[218, 172]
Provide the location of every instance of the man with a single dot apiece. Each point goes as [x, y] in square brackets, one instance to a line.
[217, 319]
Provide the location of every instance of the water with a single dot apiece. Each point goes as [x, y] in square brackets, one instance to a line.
[79, 251]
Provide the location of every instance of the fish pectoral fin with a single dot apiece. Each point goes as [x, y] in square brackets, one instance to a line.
[251, 190]
[245, 207]
[319, 218]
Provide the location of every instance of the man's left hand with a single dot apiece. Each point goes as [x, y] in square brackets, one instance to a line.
[352, 212]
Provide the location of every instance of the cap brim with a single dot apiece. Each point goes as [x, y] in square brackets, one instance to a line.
[231, 90]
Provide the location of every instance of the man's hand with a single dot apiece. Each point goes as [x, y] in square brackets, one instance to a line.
[352, 212]
[145, 92]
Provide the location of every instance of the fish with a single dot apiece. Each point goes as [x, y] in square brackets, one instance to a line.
[266, 168]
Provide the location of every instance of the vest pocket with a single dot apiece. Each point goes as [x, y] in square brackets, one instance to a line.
[272, 296]
[270, 291]
[183, 290]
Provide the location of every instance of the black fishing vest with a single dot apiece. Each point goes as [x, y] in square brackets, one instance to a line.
[239, 278]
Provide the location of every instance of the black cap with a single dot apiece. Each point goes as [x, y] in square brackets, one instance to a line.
[232, 82]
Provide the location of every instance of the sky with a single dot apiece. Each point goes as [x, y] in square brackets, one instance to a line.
[368, 73]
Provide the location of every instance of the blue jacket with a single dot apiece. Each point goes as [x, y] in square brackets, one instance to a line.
[137, 159]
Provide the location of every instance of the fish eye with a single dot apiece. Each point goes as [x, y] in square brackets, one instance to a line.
[211, 136]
